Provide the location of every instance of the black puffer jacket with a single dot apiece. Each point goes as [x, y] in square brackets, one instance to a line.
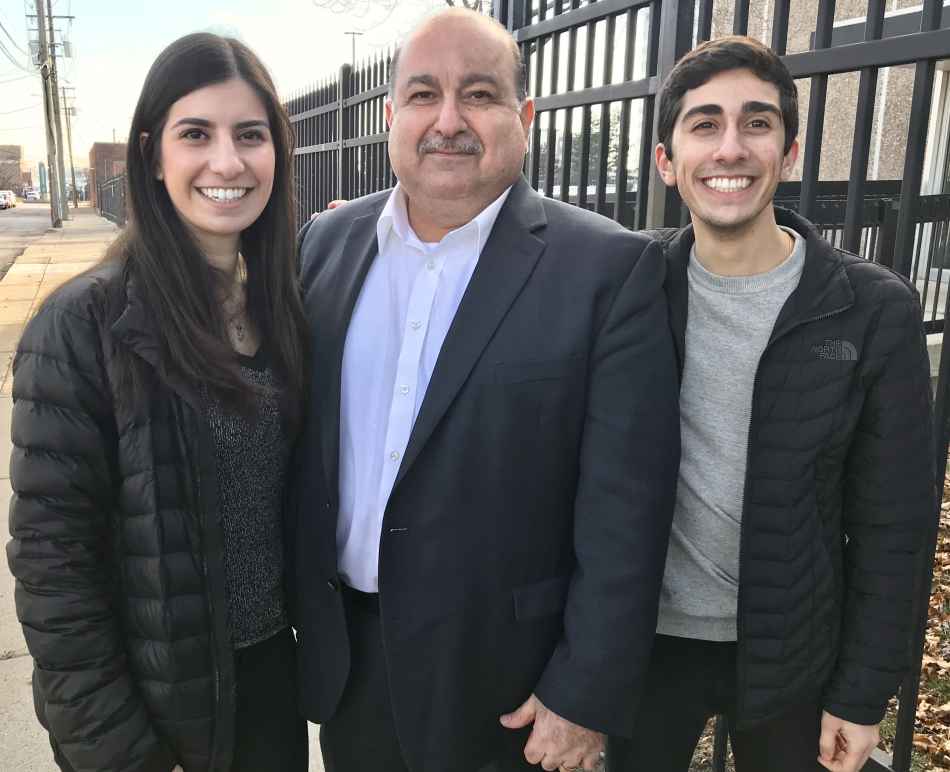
[116, 552]
[840, 488]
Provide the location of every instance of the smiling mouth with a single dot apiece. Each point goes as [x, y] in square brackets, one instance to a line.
[727, 184]
[224, 195]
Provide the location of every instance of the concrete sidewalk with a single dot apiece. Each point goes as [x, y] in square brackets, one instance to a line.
[44, 265]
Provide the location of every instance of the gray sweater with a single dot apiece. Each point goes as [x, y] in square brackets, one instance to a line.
[729, 321]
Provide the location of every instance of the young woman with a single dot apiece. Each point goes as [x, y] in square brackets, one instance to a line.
[155, 400]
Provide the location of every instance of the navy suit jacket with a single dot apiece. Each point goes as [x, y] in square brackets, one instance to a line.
[524, 542]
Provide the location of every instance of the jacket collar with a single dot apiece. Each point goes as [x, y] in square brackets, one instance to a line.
[823, 289]
[135, 329]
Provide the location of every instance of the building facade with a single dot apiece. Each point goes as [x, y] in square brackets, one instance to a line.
[106, 160]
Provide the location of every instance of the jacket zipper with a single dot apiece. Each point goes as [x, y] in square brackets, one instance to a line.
[740, 648]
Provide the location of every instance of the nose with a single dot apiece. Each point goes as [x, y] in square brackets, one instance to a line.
[226, 158]
[449, 121]
[732, 147]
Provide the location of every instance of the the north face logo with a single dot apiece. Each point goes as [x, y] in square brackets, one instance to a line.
[838, 350]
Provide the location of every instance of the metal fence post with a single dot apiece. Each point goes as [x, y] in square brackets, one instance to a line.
[887, 240]
[343, 91]
[676, 38]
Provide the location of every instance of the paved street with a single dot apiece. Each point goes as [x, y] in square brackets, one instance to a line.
[19, 227]
[48, 258]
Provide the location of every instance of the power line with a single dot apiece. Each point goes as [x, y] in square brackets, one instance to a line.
[13, 60]
[17, 45]
[21, 109]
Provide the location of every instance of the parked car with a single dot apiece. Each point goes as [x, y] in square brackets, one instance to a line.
[32, 195]
[7, 199]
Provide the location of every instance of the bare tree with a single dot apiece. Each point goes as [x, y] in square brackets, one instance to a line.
[370, 14]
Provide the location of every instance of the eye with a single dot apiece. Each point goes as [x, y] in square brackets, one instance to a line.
[193, 134]
[759, 123]
[253, 136]
[421, 96]
[704, 126]
[480, 95]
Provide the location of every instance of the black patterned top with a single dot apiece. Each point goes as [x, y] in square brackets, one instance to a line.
[251, 460]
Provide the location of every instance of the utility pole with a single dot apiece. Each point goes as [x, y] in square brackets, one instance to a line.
[54, 88]
[69, 139]
[353, 36]
[54, 209]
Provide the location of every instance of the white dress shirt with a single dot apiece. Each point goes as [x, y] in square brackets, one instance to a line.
[400, 320]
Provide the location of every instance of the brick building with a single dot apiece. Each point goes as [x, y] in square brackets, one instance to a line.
[11, 168]
[106, 159]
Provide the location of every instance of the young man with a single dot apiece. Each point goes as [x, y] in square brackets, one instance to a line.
[806, 485]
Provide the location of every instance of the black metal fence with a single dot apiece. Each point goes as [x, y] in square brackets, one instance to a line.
[110, 199]
[341, 136]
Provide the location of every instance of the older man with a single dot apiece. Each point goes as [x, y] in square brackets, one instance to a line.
[486, 484]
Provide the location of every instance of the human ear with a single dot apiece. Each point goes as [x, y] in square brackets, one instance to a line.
[788, 162]
[664, 165]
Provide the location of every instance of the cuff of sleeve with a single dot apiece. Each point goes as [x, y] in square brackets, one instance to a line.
[856, 714]
[584, 701]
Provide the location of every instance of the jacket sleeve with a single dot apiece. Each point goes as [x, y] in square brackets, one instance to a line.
[64, 478]
[888, 511]
[623, 510]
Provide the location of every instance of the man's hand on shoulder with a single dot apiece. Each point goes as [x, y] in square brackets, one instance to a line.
[555, 742]
[332, 205]
[843, 746]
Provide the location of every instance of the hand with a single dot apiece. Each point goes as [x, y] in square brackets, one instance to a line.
[332, 205]
[178, 768]
[555, 741]
[843, 746]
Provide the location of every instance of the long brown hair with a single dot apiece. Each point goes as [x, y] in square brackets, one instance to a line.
[176, 282]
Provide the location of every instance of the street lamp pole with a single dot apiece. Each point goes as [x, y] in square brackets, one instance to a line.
[353, 36]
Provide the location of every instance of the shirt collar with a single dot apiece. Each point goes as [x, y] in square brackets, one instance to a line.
[394, 221]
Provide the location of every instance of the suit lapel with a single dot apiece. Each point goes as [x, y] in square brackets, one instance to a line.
[506, 262]
[338, 298]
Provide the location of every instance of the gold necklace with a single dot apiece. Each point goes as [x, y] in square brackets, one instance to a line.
[236, 320]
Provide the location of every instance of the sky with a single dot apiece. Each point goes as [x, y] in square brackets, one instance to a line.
[114, 43]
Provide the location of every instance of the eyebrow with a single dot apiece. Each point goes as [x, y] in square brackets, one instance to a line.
[421, 80]
[468, 80]
[479, 77]
[204, 123]
[748, 108]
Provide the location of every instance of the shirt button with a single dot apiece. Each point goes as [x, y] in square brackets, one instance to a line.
[431, 265]
[394, 455]
[403, 389]
[415, 325]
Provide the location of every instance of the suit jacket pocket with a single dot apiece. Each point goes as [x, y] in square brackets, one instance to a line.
[537, 370]
[541, 599]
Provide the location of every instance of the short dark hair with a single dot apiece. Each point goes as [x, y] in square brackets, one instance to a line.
[735, 52]
[520, 71]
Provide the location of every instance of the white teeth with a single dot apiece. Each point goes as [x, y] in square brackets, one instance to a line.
[224, 194]
[728, 184]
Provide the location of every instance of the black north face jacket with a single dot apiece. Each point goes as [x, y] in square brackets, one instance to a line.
[840, 491]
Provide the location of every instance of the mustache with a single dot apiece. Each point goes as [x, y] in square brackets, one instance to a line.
[464, 144]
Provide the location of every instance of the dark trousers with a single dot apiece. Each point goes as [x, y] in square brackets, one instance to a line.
[689, 681]
[270, 733]
[361, 736]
